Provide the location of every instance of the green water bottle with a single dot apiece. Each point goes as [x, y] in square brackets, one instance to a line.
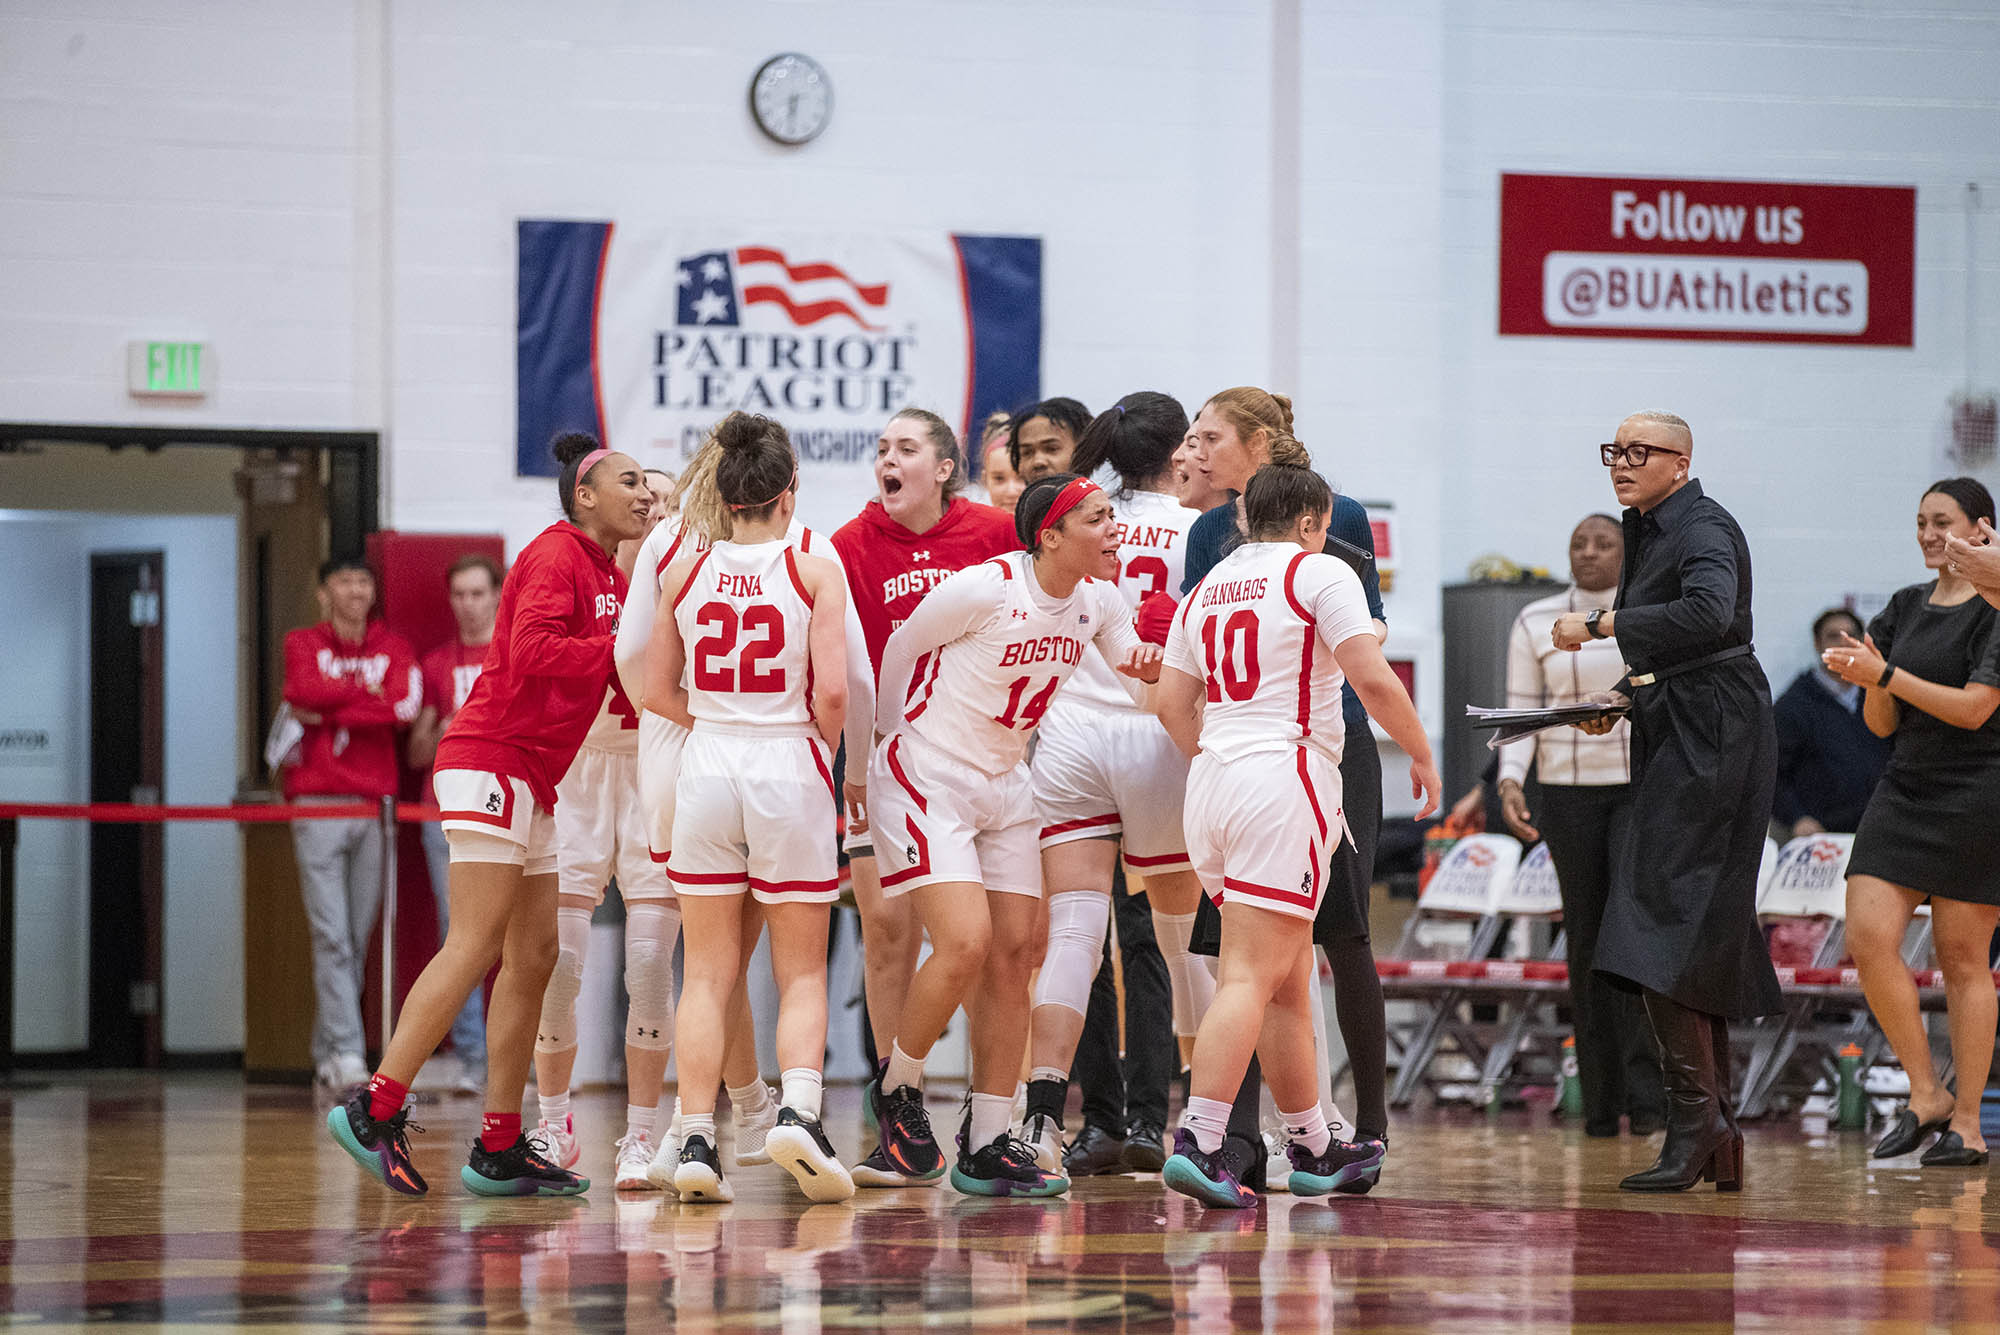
[1569, 1095]
[1852, 1111]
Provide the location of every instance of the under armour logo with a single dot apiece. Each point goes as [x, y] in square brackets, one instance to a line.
[911, 854]
[493, 803]
[1019, 615]
[921, 556]
[643, 1032]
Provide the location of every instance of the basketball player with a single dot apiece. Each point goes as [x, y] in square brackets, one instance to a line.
[916, 531]
[705, 517]
[1108, 779]
[600, 830]
[497, 768]
[1252, 694]
[964, 682]
[756, 632]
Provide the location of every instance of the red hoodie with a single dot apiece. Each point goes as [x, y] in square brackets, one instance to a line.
[547, 667]
[890, 569]
[362, 693]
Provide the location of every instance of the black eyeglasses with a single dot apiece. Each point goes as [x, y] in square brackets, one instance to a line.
[1636, 455]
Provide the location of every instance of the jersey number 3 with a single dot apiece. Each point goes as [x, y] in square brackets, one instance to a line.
[761, 631]
[1232, 664]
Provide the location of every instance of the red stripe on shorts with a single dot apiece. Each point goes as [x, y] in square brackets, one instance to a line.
[505, 820]
[1303, 899]
[1305, 778]
[1155, 862]
[1087, 822]
[923, 865]
[819, 761]
[896, 768]
[795, 887]
[708, 878]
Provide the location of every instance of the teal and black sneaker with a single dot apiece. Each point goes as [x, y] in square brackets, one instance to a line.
[382, 1147]
[518, 1171]
[1348, 1167]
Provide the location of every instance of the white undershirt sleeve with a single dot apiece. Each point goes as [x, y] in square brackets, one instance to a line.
[963, 603]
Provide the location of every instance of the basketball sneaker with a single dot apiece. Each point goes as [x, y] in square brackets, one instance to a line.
[800, 1147]
[877, 1171]
[1351, 1167]
[517, 1171]
[871, 1099]
[634, 1157]
[1005, 1167]
[1209, 1178]
[667, 1158]
[1043, 1136]
[753, 1129]
[698, 1177]
[555, 1143]
[382, 1147]
[907, 1141]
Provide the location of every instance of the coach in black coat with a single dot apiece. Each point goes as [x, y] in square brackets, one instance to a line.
[1683, 926]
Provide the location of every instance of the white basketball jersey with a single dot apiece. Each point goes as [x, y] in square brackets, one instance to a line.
[1152, 529]
[979, 697]
[744, 615]
[1260, 632]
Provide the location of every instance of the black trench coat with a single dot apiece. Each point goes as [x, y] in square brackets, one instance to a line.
[1682, 921]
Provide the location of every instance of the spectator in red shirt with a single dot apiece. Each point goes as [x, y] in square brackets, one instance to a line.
[543, 682]
[449, 671]
[353, 683]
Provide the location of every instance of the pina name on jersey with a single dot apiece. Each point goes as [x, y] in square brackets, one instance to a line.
[740, 586]
[1040, 650]
[912, 581]
[1233, 591]
[1146, 535]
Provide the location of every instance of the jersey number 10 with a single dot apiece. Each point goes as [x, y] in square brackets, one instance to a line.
[762, 621]
[1232, 672]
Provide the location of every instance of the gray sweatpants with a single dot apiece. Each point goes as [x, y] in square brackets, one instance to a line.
[340, 879]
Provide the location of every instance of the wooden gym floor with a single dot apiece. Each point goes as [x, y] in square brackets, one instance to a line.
[199, 1202]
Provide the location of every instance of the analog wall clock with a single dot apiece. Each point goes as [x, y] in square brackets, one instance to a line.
[791, 98]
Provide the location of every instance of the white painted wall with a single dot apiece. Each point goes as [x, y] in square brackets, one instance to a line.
[47, 559]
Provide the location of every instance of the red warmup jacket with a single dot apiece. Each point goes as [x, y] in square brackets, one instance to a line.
[890, 569]
[363, 693]
[546, 669]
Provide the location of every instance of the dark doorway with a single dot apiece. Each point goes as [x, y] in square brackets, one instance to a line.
[127, 763]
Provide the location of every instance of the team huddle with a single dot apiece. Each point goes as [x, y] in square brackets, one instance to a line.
[992, 713]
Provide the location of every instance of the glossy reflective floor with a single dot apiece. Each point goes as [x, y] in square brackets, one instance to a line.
[198, 1201]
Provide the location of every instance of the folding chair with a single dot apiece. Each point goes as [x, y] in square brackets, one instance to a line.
[1465, 889]
[1808, 882]
[1531, 986]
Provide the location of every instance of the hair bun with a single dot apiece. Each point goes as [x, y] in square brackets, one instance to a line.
[1284, 402]
[740, 431]
[571, 446]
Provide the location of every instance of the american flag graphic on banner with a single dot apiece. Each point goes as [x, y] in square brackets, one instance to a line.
[708, 293]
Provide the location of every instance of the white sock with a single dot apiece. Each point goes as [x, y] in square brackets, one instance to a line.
[640, 1120]
[1336, 1120]
[1046, 1073]
[802, 1086]
[1308, 1128]
[992, 1114]
[1207, 1120]
[555, 1110]
[698, 1124]
[903, 1070]
[747, 1099]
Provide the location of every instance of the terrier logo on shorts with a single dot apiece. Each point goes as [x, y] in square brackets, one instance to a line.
[493, 803]
[911, 854]
[1306, 884]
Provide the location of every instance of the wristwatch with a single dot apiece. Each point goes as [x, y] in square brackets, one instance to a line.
[1590, 624]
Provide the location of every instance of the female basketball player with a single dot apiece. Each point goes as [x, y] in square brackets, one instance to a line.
[1107, 779]
[915, 532]
[496, 775]
[964, 682]
[702, 518]
[1265, 642]
[600, 829]
[756, 631]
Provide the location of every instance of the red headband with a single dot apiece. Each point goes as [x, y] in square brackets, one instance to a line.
[589, 461]
[1066, 500]
[758, 505]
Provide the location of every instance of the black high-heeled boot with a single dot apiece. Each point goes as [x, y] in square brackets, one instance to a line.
[1702, 1143]
[1725, 1095]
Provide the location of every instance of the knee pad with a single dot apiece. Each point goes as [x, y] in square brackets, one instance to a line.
[1192, 985]
[1078, 922]
[556, 1031]
[650, 931]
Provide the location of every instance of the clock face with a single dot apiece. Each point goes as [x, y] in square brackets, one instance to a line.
[791, 97]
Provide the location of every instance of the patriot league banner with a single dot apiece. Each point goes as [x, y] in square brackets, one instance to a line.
[646, 337]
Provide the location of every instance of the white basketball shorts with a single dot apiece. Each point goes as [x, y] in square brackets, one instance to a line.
[1259, 828]
[1099, 773]
[660, 743]
[937, 819]
[599, 830]
[754, 813]
[491, 817]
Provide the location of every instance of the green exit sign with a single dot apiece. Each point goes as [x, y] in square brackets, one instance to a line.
[163, 366]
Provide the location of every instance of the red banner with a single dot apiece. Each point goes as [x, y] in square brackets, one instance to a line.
[1769, 261]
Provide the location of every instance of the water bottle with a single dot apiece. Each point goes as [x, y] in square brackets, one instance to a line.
[1569, 1094]
[1852, 1109]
